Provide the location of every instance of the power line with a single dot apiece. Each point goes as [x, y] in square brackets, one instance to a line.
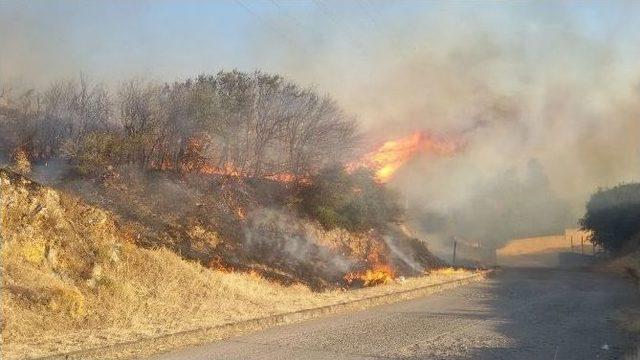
[357, 44]
[275, 29]
[282, 10]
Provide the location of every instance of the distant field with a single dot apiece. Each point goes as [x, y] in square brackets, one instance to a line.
[543, 250]
[535, 245]
[543, 244]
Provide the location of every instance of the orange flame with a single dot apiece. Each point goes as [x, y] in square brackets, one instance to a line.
[195, 161]
[217, 263]
[380, 270]
[241, 213]
[227, 169]
[385, 161]
[378, 275]
[284, 177]
[393, 154]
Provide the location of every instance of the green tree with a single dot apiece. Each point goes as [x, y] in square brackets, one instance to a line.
[613, 216]
[354, 201]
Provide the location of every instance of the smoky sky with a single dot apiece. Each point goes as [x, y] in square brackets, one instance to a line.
[554, 83]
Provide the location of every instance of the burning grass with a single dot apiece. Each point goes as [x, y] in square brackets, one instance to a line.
[230, 223]
[379, 275]
[73, 278]
[151, 293]
[380, 271]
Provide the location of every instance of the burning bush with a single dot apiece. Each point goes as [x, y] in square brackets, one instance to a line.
[230, 170]
[257, 124]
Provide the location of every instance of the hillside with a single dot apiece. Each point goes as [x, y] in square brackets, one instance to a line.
[76, 275]
[238, 171]
[251, 225]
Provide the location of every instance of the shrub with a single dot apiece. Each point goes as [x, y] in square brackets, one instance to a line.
[613, 216]
[353, 201]
[96, 152]
[21, 163]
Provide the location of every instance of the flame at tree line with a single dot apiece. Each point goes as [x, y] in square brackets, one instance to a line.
[385, 161]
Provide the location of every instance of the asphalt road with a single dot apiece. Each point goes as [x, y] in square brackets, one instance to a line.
[517, 314]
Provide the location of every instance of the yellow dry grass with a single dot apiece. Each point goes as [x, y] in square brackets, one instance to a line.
[544, 244]
[71, 280]
[534, 245]
[154, 292]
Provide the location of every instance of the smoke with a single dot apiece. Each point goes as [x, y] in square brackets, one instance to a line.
[402, 254]
[515, 203]
[523, 84]
[550, 83]
[51, 172]
[282, 238]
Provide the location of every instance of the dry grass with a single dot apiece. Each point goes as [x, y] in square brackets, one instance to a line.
[73, 280]
[534, 245]
[544, 244]
[154, 292]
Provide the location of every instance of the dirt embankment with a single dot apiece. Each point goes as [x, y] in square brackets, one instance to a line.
[75, 277]
[249, 225]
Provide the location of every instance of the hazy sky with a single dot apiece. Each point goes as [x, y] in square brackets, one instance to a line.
[558, 82]
[45, 40]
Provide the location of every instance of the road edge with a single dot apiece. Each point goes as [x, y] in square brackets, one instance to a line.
[171, 342]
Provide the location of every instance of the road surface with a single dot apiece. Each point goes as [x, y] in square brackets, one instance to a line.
[517, 314]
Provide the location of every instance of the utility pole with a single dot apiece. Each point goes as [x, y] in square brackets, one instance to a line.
[455, 245]
[571, 239]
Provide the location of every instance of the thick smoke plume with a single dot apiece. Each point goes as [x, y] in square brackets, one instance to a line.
[526, 83]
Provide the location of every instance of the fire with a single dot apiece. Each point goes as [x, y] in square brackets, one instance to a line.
[385, 161]
[380, 271]
[195, 161]
[226, 169]
[284, 177]
[393, 154]
[254, 274]
[381, 274]
[241, 213]
[217, 263]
